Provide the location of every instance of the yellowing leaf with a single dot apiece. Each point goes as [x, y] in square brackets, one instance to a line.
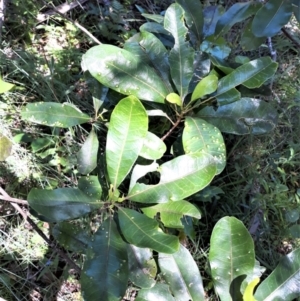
[174, 98]
[248, 294]
[4, 86]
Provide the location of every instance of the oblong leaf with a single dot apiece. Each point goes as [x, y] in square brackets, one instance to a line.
[269, 20]
[252, 75]
[142, 266]
[207, 85]
[87, 155]
[143, 232]
[105, 271]
[153, 147]
[248, 115]
[238, 12]
[231, 257]
[201, 136]
[181, 56]
[181, 272]
[62, 203]
[71, 236]
[160, 292]
[180, 178]
[54, 114]
[212, 14]
[248, 294]
[248, 40]
[193, 14]
[123, 72]
[127, 129]
[91, 187]
[172, 212]
[283, 284]
[5, 86]
[5, 147]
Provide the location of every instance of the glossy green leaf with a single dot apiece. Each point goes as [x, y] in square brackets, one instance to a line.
[179, 178]
[193, 14]
[172, 212]
[105, 271]
[238, 12]
[123, 72]
[158, 56]
[181, 272]
[248, 40]
[181, 56]
[251, 75]
[5, 86]
[228, 97]
[221, 64]
[90, 186]
[154, 28]
[153, 147]
[283, 284]
[201, 136]
[212, 14]
[5, 147]
[248, 115]
[54, 114]
[231, 257]
[87, 155]
[127, 129]
[62, 203]
[155, 17]
[293, 231]
[143, 232]
[71, 236]
[142, 266]
[160, 292]
[269, 20]
[207, 85]
[174, 98]
[40, 143]
[140, 171]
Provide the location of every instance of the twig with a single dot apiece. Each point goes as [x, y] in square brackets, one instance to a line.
[77, 25]
[290, 37]
[39, 231]
[172, 128]
[13, 200]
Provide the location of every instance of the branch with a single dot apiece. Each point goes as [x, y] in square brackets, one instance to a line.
[6, 197]
[172, 128]
[290, 37]
[10, 199]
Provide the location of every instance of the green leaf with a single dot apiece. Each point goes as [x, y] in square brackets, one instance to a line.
[201, 136]
[181, 56]
[158, 56]
[157, 18]
[142, 267]
[4, 86]
[207, 85]
[87, 156]
[269, 20]
[221, 64]
[193, 14]
[283, 284]
[293, 231]
[123, 72]
[231, 257]
[62, 203]
[172, 212]
[140, 171]
[228, 97]
[54, 114]
[40, 143]
[153, 147]
[212, 14]
[143, 232]
[5, 147]
[71, 236]
[90, 186]
[174, 98]
[248, 40]
[180, 271]
[252, 75]
[160, 292]
[154, 28]
[238, 12]
[105, 271]
[127, 129]
[180, 178]
[248, 115]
